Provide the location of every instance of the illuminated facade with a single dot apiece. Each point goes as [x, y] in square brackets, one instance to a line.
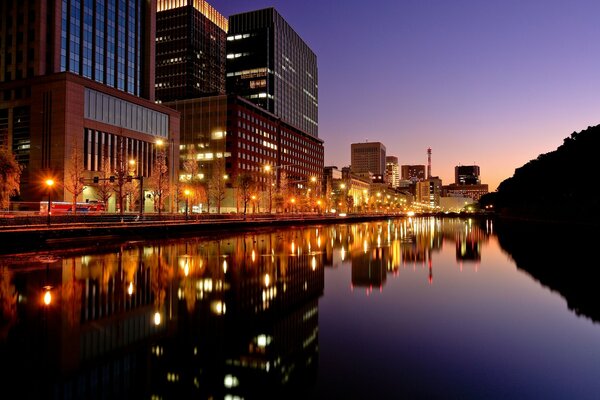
[246, 138]
[472, 191]
[428, 192]
[190, 50]
[76, 78]
[392, 173]
[413, 173]
[269, 64]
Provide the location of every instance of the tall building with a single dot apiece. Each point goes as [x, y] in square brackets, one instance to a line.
[392, 173]
[108, 41]
[429, 191]
[367, 157]
[414, 173]
[76, 79]
[190, 50]
[466, 175]
[244, 138]
[269, 64]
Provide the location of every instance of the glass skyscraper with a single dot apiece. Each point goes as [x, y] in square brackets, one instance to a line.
[269, 64]
[107, 41]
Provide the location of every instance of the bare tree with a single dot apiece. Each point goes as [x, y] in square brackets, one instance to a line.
[122, 171]
[194, 178]
[10, 177]
[159, 181]
[245, 184]
[216, 185]
[74, 175]
[282, 191]
[104, 189]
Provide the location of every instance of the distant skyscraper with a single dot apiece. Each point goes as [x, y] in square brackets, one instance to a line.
[392, 173]
[414, 173]
[466, 175]
[429, 191]
[190, 50]
[269, 64]
[367, 157]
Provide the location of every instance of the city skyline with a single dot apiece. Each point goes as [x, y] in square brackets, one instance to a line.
[488, 84]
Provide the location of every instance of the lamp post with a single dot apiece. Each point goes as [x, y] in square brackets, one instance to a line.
[49, 184]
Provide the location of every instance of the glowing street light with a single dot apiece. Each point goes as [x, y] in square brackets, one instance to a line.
[49, 185]
[187, 199]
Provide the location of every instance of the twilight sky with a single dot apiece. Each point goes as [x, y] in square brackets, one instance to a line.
[492, 83]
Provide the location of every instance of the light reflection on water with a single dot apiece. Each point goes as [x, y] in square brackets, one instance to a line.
[414, 307]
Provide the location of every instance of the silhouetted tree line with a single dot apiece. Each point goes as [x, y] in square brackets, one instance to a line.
[558, 185]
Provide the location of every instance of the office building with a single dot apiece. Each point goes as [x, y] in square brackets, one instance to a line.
[472, 191]
[246, 138]
[392, 172]
[428, 192]
[413, 173]
[110, 42]
[466, 175]
[190, 50]
[368, 157]
[76, 77]
[269, 64]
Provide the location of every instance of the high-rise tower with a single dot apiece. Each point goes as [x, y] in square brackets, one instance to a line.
[190, 50]
[269, 64]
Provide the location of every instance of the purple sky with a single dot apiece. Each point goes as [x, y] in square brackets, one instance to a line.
[493, 83]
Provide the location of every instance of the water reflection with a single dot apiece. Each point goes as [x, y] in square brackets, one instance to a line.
[232, 317]
[559, 257]
[375, 250]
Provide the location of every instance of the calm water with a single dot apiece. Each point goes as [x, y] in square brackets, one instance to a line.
[420, 308]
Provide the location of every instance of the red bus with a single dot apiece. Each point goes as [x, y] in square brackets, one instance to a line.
[66, 207]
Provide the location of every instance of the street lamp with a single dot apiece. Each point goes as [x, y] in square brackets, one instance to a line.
[49, 184]
[187, 198]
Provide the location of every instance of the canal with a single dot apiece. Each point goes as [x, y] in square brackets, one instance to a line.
[406, 308]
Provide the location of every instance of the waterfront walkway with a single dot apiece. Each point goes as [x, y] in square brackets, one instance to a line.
[33, 233]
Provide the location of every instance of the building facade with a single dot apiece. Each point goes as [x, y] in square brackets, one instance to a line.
[466, 175]
[76, 80]
[233, 133]
[190, 50]
[414, 173]
[367, 157]
[392, 171]
[269, 64]
[108, 41]
[472, 191]
[428, 192]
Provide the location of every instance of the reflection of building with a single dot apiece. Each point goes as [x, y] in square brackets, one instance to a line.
[248, 316]
[369, 268]
[269, 64]
[190, 50]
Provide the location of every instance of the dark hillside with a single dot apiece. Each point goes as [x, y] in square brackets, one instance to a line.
[558, 185]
